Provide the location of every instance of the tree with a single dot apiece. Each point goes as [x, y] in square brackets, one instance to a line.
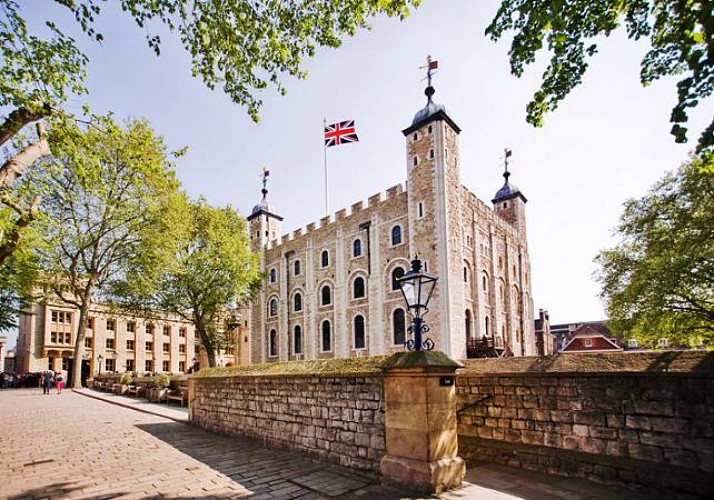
[658, 282]
[681, 34]
[240, 45]
[110, 203]
[213, 274]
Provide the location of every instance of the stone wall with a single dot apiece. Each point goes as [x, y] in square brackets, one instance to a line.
[336, 418]
[655, 429]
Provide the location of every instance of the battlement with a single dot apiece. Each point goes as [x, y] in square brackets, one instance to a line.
[341, 215]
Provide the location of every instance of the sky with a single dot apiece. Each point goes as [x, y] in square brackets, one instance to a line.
[607, 142]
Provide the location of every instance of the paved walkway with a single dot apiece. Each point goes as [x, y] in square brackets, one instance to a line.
[71, 446]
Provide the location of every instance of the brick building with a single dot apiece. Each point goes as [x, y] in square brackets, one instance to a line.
[331, 287]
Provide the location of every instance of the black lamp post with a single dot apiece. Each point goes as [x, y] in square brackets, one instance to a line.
[100, 358]
[417, 287]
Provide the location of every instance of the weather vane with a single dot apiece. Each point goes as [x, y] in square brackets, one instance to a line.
[507, 153]
[431, 67]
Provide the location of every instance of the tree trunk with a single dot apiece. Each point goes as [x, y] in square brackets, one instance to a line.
[79, 344]
[20, 117]
[16, 165]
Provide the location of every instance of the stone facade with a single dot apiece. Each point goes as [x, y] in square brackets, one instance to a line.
[655, 429]
[336, 418]
[47, 336]
[329, 289]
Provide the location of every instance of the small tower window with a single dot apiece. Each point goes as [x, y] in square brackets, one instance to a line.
[415, 161]
[297, 268]
[325, 296]
[273, 343]
[431, 154]
[297, 340]
[396, 235]
[415, 136]
[505, 204]
[273, 307]
[325, 259]
[273, 275]
[430, 129]
[358, 289]
[420, 209]
[396, 274]
[326, 336]
[359, 340]
[297, 302]
[357, 248]
[399, 328]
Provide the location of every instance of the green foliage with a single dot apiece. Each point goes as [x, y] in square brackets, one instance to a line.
[681, 35]
[658, 282]
[162, 380]
[242, 46]
[38, 70]
[214, 271]
[126, 378]
[108, 199]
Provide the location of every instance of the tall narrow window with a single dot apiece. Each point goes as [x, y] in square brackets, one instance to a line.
[356, 248]
[467, 324]
[399, 329]
[297, 340]
[297, 268]
[396, 235]
[273, 307]
[325, 296]
[297, 302]
[358, 288]
[420, 209]
[359, 340]
[273, 275]
[326, 336]
[325, 259]
[273, 343]
[397, 273]
[487, 326]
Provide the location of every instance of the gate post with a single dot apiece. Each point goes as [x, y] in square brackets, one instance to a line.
[420, 422]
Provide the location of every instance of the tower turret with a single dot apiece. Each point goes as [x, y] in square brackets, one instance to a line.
[509, 203]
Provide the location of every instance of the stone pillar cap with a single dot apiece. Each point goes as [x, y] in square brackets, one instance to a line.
[420, 359]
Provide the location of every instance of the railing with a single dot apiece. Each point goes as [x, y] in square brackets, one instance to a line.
[487, 347]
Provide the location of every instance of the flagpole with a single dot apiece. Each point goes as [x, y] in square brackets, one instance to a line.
[324, 146]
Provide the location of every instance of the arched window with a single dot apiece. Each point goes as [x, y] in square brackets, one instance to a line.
[360, 342]
[397, 273]
[358, 288]
[273, 307]
[297, 302]
[484, 283]
[356, 248]
[487, 334]
[468, 323]
[325, 259]
[396, 235]
[297, 340]
[273, 343]
[399, 327]
[273, 275]
[325, 296]
[297, 268]
[326, 336]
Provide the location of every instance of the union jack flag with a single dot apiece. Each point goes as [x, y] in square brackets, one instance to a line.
[340, 133]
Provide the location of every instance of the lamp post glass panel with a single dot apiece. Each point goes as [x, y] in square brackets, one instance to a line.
[417, 287]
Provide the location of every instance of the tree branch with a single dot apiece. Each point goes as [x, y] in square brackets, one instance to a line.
[20, 117]
[15, 166]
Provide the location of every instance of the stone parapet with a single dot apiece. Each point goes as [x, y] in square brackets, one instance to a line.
[655, 429]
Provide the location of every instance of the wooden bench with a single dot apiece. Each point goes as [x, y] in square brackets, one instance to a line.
[180, 395]
[136, 390]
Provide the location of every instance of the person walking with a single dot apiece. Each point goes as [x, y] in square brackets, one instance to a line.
[47, 381]
[59, 382]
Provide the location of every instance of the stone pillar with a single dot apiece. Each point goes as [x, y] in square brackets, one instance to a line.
[420, 421]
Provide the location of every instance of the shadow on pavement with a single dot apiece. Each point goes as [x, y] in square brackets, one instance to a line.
[263, 470]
